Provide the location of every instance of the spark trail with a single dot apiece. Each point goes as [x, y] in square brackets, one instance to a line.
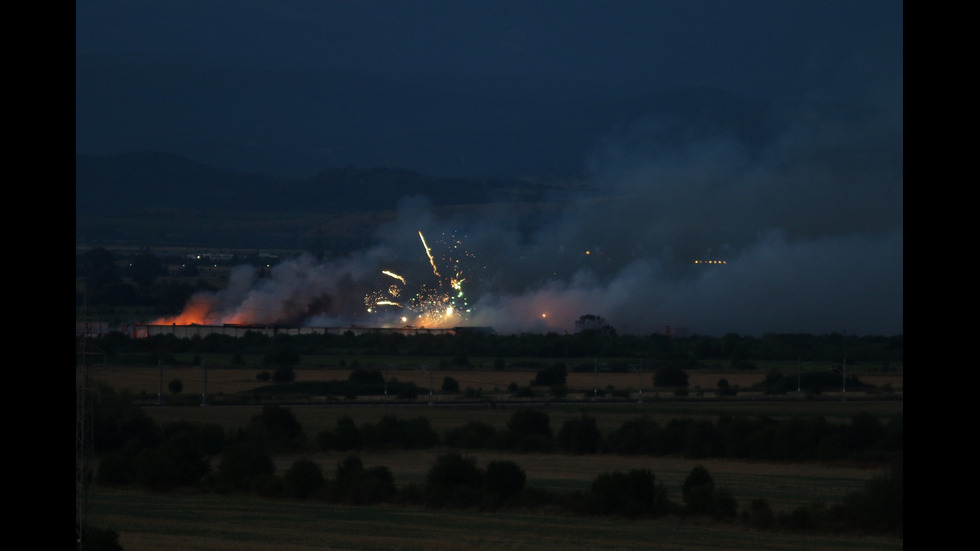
[428, 253]
[396, 276]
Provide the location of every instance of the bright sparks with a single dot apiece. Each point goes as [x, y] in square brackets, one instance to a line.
[428, 253]
[394, 275]
[442, 303]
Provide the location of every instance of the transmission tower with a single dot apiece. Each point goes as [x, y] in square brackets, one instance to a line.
[84, 448]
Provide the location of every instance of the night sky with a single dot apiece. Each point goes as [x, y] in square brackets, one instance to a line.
[808, 213]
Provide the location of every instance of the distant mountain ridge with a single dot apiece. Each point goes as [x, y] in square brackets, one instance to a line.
[137, 181]
[294, 123]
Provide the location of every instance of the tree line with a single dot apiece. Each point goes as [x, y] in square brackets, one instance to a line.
[580, 351]
[134, 450]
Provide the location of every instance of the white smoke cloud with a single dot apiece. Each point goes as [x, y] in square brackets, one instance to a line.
[809, 225]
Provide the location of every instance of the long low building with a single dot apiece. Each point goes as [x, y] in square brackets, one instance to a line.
[141, 331]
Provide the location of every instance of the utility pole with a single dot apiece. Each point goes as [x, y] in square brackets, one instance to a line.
[160, 384]
[843, 370]
[639, 383]
[799, 368]
[84, 444]
[204, 395]
[430, 383]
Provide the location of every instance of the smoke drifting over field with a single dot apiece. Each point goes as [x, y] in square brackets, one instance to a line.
[809, 226]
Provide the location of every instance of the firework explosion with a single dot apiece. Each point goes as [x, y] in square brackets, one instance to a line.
[433, 304]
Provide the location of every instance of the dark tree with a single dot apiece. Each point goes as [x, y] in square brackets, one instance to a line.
[98, 539]
[551, 376]
[595, 324]
[359, 486]
[474, 434]
[277, 426]
[726, 389]
[346, 436]
[698, 491]
[302, 480]
[242, 464]
[503, 481]
[633, 494]
[580, 435]
[450, 385]
[530, 430]
[670, 377]
[453, 481]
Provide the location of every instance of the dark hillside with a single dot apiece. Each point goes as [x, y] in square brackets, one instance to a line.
[141, 181]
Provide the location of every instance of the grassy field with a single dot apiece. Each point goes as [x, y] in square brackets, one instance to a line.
[218, 523]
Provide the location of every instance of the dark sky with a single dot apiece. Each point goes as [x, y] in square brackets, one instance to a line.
[809, 217]
[762, 49]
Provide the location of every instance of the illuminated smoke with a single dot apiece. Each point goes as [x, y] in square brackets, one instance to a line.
[803, 234]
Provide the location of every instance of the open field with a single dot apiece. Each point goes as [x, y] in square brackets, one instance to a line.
[207, 522]
[322, 415]
[491, 383]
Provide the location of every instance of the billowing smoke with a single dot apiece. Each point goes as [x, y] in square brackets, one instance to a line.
[805, 231]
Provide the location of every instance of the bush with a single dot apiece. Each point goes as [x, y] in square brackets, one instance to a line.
[725, 389]
[759, 515]
[450, 385]
[529, 430]
[633, 494]
[472, 435]
[698, 491]
[277, 426]
[880, 506]
[359, 486]
[640, 435]
[503, 481]
[702, 498]
[302, 480]
[551, 376]
[346, 436]
[580, 435]
[242, 463]
[391, 432]
[98, 539]
[454, 481]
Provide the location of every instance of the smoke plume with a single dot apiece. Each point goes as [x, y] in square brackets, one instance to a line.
[803, 233]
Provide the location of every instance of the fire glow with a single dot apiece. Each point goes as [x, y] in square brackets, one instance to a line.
[304, 291]
[441, 305]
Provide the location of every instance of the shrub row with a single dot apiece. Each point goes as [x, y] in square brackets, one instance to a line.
[865, 439]
[740, 350]
[180, 454]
